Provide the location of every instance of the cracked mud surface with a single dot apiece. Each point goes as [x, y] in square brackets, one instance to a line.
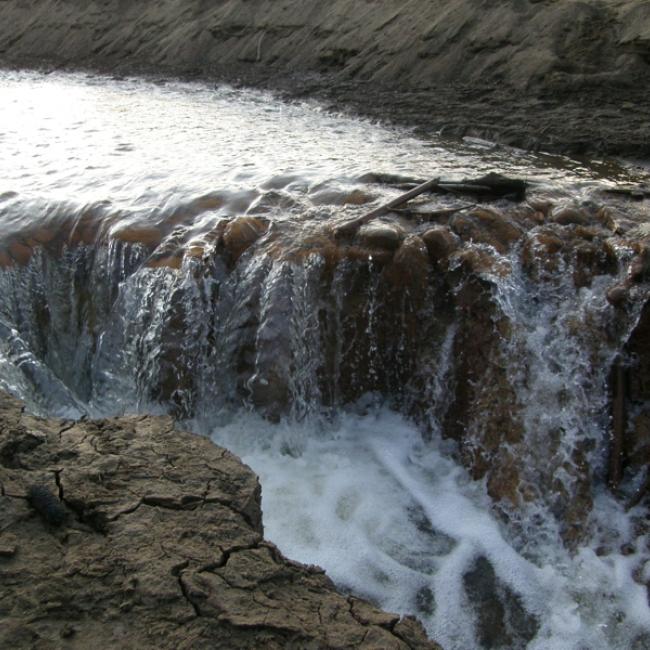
[161, 547]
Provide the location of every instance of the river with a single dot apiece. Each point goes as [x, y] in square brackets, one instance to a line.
[115, 194]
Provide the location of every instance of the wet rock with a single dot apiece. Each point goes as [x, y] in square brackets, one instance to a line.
[479, 261]
[43, 235]
[485, 226]
[592, 259]
[618, 295]
[180, 561]
[241, 233]
[166, 259]
[543, 206]
[502, 231]
[20, 252]
[5, 260]
[567, 216]
[86, 228]
[441, 242]
[502, 621]
[378, 256]
[195, 250]
[636, 445]
[410, 266]
[639, 266]
[334, 197]
[270, 394]
[381, 235]
[541, 254]
[483, 415]
[133, 234]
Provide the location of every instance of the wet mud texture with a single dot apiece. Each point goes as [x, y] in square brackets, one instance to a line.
[567, 76]
[157, 543]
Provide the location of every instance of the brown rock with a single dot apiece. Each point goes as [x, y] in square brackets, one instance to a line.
[440, 242]
[171, 261]
[381, 235]
[591, 259]
[163, 548]
[570, 216]
[541, 253]
[479, 261]
[503, 232]
[636, 446]
[639, 266]
[617, 295]
[485, 226]
[542, 206]
[20, 252]
[146, 235]
[85, 230]
[408, 273]
[241, 233]
[5, 260]
[43, 235]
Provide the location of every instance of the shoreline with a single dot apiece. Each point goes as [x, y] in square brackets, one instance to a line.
[567, 78]
[410, 109]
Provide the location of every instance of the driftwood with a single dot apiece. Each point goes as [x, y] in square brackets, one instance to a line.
[490, 186]
[432, 215]
[636, 193]
[351, 226]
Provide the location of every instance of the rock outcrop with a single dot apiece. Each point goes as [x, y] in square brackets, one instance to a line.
[126, 533]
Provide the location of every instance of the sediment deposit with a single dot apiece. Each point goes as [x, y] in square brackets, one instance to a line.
[571, 75]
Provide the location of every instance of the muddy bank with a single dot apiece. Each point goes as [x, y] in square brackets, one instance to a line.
[126, 533]
[563, 76]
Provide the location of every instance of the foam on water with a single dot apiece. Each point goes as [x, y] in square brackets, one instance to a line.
[394, 519]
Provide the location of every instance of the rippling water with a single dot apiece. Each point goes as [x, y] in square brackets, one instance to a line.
[141, 149]
[90, 330]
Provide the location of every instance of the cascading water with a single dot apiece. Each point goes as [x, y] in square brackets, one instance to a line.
[429, 413]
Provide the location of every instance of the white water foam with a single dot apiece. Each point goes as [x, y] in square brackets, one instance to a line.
[396, 520]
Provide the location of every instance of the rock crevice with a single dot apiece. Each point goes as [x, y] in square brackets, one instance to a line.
[153, 553]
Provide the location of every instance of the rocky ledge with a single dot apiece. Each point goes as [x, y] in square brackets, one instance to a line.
[128, 533]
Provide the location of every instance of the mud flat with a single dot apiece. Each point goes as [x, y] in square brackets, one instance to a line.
[567, 76]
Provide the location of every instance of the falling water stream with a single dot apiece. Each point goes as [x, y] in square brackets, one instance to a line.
[357, 475]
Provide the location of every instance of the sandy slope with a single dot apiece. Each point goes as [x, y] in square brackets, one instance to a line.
[586, 54]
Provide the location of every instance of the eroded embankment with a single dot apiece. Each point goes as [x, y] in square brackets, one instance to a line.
[126, 533]
[568, 75]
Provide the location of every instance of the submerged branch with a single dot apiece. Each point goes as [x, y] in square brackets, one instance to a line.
[492, 186]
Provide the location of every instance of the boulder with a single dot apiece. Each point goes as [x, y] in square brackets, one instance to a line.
[441, 242]
[381, 235]
[161, 546]
[241, 233]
